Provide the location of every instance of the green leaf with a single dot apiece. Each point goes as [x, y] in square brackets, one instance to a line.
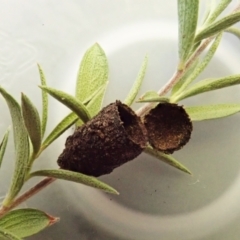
[189, 71]
[234, 31]
[170, 160]
[200, 67]
[21, 143]
[206, 112]
[93, 104]
[208, 9]
[152, 96]
[32, 122]
[69, 101]
[90, 97]
[218, 26]
[187, 21]
[26, 222]
[209, 85]
[70, 119]
[3, 146]
[6, 235]
[217, 11]
[137, 84]
[44, 101]
[93, 74]
[66, 123]
[75, 177]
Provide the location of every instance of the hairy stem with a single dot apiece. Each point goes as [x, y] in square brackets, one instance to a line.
[176, 76]
[31, 192]
[140, 112]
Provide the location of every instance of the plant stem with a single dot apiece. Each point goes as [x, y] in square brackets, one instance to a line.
[236, 9]
[140, 112]
[176, 76]
[31, 192]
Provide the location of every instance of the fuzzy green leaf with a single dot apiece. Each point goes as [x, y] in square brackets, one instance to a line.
[152, 96]
[93, 74]
[217, 11]
[93, 104]
[61, 127]
[69, 101]
[26, 222]
[6, 235]
[21, 143]
[206, 112]
[218, 26]
[170, 160]
[44, 101]
[187, 21]
[137, 84]
[200, 67]
[98, 91]
[70, 119]
[75, 177]
[234, 31]
[32, 122]
[208, 9]
[3, 146]
[185, 77]
[209, 85]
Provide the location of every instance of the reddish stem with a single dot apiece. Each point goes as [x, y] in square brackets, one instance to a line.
[32, 191]
[176, 76]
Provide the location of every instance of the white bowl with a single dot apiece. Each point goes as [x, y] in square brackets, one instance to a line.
[156, 201]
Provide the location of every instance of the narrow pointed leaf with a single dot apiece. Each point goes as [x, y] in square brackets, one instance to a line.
[93, 104]
[44, 101]
[235, 31]
[3, 146]
[21, 147]
[206, 112]
[26, 222]
[6, 235]
[152, 96]
[187, 20]
[201, 66]
[93, 73]
[170, 160]
[218, 26]
[90, 97]
[69, 101]
[195, 47]
[32, 122]
[185, 77]
[69, 120]
[208, 9]
[217, 11]
[137, 84]
[61, 127]
[209, 85]
[75, 177]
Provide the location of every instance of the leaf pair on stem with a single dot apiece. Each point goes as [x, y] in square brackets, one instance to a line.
[191, 64]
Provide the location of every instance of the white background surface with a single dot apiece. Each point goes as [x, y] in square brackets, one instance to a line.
[156, 201]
